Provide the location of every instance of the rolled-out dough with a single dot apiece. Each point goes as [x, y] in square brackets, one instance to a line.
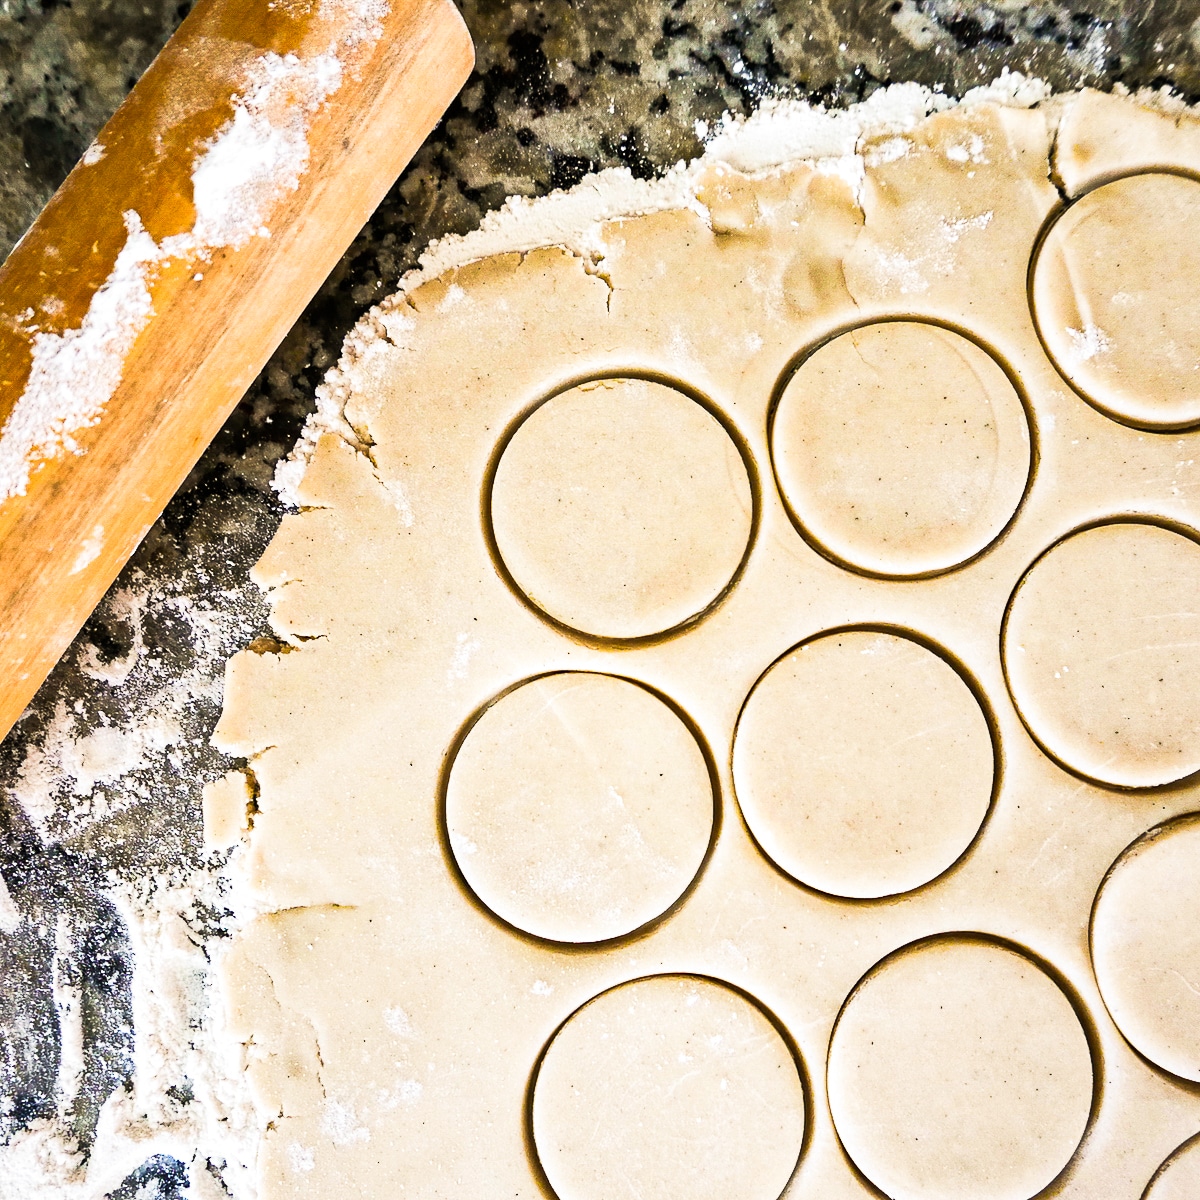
[724, 656]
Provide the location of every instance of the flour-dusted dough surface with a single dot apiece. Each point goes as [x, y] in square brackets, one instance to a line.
[625, 807]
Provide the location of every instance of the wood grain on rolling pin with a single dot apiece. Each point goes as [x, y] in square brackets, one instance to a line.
[373, 80]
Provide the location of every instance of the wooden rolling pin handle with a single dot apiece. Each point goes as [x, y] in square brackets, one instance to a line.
[170, 264]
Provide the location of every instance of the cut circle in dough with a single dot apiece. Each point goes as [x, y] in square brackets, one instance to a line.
[1117, 301]
[621, 508]
[1102, 653]
[579, 807]
[863, 763]
[1146, 946]
[901, 448]
[958, 1067]
[667, 1087]
[1179, 1177]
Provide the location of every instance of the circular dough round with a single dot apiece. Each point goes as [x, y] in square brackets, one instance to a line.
[901, 448]
[1117, 299]
[1146, 946]
[863, 764]
[1102, 653]
[579, 807]
[958, 1068]
[672, 1087]
[621, 508]
[1179, 1177]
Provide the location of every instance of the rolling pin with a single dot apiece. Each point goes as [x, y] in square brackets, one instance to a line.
[163, 273]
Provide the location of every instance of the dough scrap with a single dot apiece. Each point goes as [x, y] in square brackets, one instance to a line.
[394, 1025]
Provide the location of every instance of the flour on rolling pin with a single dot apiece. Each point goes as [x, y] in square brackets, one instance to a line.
[238, 176]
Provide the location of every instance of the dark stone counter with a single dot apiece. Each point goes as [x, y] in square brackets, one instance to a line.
[102, 776]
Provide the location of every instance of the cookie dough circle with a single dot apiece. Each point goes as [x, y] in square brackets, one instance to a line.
[668, 1087]
[1146, 946]
[1179, 1177]
[901, 448]
[1102, 653]
[579, 807]
[958, 1067]
[863, 764]
[621, 508]
[1117, 299]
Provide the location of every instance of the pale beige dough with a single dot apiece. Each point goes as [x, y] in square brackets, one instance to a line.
[863, 764]
[579, 807]
[1117, 299]
[668, 1086]
[959, 1068]
[621, 508]
[545, 563]
[1179, 1176]
[1102, 650]
[901, 448]
[1146, 946]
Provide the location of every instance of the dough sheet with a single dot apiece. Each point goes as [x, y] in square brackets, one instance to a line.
[735, 724]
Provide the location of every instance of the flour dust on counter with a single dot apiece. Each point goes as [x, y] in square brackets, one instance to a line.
[113, 912]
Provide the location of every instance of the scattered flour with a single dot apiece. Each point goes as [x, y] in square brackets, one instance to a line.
[399, 498]
[1087, 343]
[10, 914]
[73, 776]
[89, 551]
[972, 151]
[73, 374]
[300, 1158]
[362, 20]
[398, 1021]
[61, 781]
[460, 662]
[179, 1038]
[238, 176]
[340, 1123]
[260, 153]
[127, 605]
[890, 150]
[953, 230]
[68, 1001]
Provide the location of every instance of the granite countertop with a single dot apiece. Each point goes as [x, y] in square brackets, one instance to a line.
[100, 780]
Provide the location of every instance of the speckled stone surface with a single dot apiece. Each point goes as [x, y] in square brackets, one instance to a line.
[102, 776]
